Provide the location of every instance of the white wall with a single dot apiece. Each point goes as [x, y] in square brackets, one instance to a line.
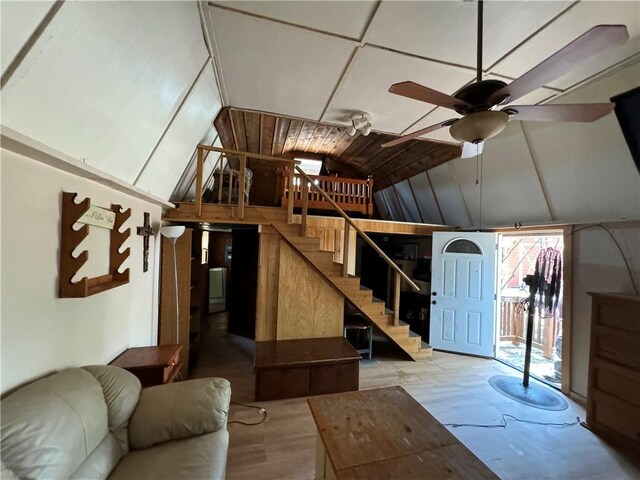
[40, 332]
[598, 267]
[127, 86]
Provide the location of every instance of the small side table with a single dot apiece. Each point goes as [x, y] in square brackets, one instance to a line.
[152, 365]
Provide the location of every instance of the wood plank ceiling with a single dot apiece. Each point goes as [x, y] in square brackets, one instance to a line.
[355, 157]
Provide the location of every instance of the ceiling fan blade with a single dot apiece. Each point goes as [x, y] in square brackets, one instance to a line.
[472, 149]
[418, 133]
[582, 112]
[426, 94]
[597, 39]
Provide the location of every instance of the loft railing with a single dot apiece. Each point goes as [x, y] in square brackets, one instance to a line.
[231, 182]
[307, 183]
[350, 194]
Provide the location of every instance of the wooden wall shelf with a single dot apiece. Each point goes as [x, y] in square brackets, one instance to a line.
[69, 241]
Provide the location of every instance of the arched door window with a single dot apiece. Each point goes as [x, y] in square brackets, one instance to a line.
[463, 246]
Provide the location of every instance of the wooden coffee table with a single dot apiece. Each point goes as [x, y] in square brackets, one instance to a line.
[386, 433]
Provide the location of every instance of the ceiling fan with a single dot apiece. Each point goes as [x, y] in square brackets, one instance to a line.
[479, 102]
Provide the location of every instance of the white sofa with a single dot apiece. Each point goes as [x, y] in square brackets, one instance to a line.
[96, 422]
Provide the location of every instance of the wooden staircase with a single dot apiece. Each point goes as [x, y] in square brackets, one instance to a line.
[360, 297]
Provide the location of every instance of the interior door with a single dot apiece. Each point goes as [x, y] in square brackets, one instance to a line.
[463, 292]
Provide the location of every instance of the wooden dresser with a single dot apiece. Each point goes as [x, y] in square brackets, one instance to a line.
[152, 365]
[613, 397]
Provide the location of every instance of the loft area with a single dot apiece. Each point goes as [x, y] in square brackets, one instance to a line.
[342, 240]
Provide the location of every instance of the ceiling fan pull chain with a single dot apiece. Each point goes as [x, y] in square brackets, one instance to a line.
[477, 163]
[480, 206]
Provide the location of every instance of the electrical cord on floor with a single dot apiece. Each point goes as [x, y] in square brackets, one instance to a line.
[504, 423]
[261, 411]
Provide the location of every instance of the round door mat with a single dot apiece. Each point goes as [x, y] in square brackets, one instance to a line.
[534, 395]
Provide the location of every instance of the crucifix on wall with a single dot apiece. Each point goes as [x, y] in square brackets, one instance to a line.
[145, 231]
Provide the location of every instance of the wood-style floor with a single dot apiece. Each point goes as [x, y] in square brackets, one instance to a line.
[453, 388]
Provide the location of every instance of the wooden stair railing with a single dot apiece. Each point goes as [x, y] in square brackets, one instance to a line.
[308, 182]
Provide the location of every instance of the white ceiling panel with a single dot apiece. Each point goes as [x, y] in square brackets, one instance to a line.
[102, 85]
[18, 21]
[446, 30]
[510, 188]
[382, 207]
[373, 71]
[189, 128]
[426, 200]
[396, 213]
[348, 18]
[277, 68]
[586, 167]
[446, 188]
[408, 203]
[568, 27]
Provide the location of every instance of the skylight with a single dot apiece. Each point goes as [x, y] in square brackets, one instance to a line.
[310, 167]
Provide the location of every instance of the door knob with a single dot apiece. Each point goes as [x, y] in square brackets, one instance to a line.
[433, 302]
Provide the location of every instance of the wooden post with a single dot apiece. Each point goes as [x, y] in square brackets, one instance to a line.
[199, 166]
[221, 179]
[370, 196]
[291, 196]
[243, 173]
[345, 250]
[396, 300]
[305, 205]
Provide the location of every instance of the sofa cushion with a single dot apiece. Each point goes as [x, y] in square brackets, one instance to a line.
[201, 457]
[179, 410]
[121, 391]
[50, 426]
[99, 464]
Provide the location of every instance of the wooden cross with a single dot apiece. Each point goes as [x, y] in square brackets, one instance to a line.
[145, 231]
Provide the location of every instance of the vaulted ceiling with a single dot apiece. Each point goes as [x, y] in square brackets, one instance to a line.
[357, 156]
[321, 61]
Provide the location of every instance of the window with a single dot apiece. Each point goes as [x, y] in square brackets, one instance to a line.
[463, 246]
[310, 167]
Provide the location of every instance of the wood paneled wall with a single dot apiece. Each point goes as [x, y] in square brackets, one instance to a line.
[351, 157]
[293, 299]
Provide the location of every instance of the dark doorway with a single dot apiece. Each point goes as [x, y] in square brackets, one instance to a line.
[243, 282]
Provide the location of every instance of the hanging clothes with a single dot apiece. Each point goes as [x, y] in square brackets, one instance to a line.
[549, 276]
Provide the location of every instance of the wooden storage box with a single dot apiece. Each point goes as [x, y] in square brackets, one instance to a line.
[298, 368]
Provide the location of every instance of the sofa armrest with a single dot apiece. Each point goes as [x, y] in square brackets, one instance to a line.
[179, 410]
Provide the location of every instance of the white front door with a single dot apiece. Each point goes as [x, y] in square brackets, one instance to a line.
[463, 290]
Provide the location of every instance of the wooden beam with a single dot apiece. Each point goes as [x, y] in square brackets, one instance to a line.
[241, 180]
[345, 250]
[199, 167]
[305, 206]
[291, 198]
[248, 154]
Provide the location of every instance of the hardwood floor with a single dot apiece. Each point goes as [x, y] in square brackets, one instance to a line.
[453, 388]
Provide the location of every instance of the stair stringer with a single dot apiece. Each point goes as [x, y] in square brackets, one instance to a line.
[350, 288]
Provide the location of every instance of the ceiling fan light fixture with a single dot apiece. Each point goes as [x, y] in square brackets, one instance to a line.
[366, 130]
[351, 131]
[479, 126]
